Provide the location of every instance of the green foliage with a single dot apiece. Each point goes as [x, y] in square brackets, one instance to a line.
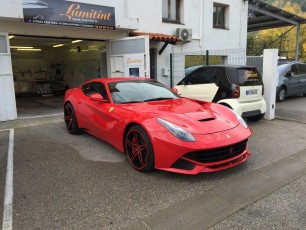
[280, 38]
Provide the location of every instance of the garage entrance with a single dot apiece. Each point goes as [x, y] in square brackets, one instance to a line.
[44, 68]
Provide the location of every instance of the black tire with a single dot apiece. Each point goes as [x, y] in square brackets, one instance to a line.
[281, 94]
[139, 149]
[256, 118]
[71, 121]
[304, 94]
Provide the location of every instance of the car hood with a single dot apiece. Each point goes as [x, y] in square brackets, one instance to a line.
[196, 117]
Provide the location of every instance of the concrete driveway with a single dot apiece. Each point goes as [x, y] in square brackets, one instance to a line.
[62, 181]
[293, 108]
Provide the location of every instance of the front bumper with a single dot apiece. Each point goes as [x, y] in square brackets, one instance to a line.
[172, 154]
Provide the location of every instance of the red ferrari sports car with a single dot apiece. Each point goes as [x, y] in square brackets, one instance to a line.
[155, 127]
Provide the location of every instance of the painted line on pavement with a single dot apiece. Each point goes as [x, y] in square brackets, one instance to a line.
[40, 116]
[7, 223]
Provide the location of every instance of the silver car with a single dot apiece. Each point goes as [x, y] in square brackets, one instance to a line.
[292, 80]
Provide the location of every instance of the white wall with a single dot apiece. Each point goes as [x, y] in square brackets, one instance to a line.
[145, 16]
[11, 9]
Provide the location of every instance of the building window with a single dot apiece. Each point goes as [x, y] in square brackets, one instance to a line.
[172, 11]
[220, 16]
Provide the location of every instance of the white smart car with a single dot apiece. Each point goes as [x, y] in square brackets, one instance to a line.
[237, 87]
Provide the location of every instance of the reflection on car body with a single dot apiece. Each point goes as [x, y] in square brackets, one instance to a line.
[155, 127]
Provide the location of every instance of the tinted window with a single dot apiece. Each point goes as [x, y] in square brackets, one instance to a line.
[139, 91]
[302, 68]
[220, 75]
[294, 69]
[244, 76]
[200, 76]
[94, 87]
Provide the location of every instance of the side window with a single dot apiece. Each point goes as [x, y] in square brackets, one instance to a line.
[88, 89]
[302, 69]
[95, 87]
[201, 76]
[100, 88]
[219, 75]
[294, 69]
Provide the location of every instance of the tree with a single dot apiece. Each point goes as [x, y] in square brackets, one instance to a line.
[283, 38]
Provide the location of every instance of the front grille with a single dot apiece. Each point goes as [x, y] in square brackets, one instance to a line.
[213, 155]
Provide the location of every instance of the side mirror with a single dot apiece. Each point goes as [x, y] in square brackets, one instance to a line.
[174, 90]
[292, 74]
[97, 97]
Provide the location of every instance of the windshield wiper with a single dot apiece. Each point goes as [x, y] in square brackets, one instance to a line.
[158, 99]
[127, 102]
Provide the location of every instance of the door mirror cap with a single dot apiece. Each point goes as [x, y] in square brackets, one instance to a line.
[97, 97]
[174, 90]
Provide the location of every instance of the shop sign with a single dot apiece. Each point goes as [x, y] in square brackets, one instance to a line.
[68, 13]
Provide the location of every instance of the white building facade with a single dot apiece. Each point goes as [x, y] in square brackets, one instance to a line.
[209, 24]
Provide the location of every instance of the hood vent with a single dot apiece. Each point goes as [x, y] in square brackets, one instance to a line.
[207, 119]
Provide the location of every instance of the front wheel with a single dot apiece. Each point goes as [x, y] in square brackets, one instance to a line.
[139, 150]
[71, 120]
[281, 94]
[256, 118]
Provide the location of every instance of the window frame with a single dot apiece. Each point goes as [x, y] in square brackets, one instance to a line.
[218, 7]
[178, 12]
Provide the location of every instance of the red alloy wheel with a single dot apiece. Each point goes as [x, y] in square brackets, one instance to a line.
[139, 149]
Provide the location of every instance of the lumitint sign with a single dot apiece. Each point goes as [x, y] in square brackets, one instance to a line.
[66, 13]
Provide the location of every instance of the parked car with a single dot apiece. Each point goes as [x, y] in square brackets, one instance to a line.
[237, 87]
[155, 127]
[292, 80]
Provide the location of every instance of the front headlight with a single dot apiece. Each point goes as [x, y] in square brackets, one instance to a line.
[240, 119]
[177, 131]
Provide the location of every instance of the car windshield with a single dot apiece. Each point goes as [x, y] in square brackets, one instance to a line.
[245, 76]
[123, 92]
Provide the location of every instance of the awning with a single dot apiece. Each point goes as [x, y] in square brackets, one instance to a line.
[158, 37]
[264, 16]
[166, 38]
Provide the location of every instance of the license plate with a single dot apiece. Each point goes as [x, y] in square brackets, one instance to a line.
[252, 92]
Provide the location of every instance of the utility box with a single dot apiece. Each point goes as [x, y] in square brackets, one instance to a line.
[165, 72]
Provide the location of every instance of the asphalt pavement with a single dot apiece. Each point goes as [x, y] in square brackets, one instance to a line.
[63, 181]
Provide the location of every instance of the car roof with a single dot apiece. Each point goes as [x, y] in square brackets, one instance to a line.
[192, 68]
[116, 79]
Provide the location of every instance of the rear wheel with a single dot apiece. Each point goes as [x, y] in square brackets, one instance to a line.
[281, 94]
[139, 150]
[304, 94]
[71, 120]
[256, 118]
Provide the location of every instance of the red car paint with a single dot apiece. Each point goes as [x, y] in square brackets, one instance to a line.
[213, 126]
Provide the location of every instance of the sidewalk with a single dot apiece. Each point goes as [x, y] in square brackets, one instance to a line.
[208, 209]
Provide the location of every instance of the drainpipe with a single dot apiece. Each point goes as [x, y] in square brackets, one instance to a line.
[297, 48]
[201, 23]
[125, 8]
